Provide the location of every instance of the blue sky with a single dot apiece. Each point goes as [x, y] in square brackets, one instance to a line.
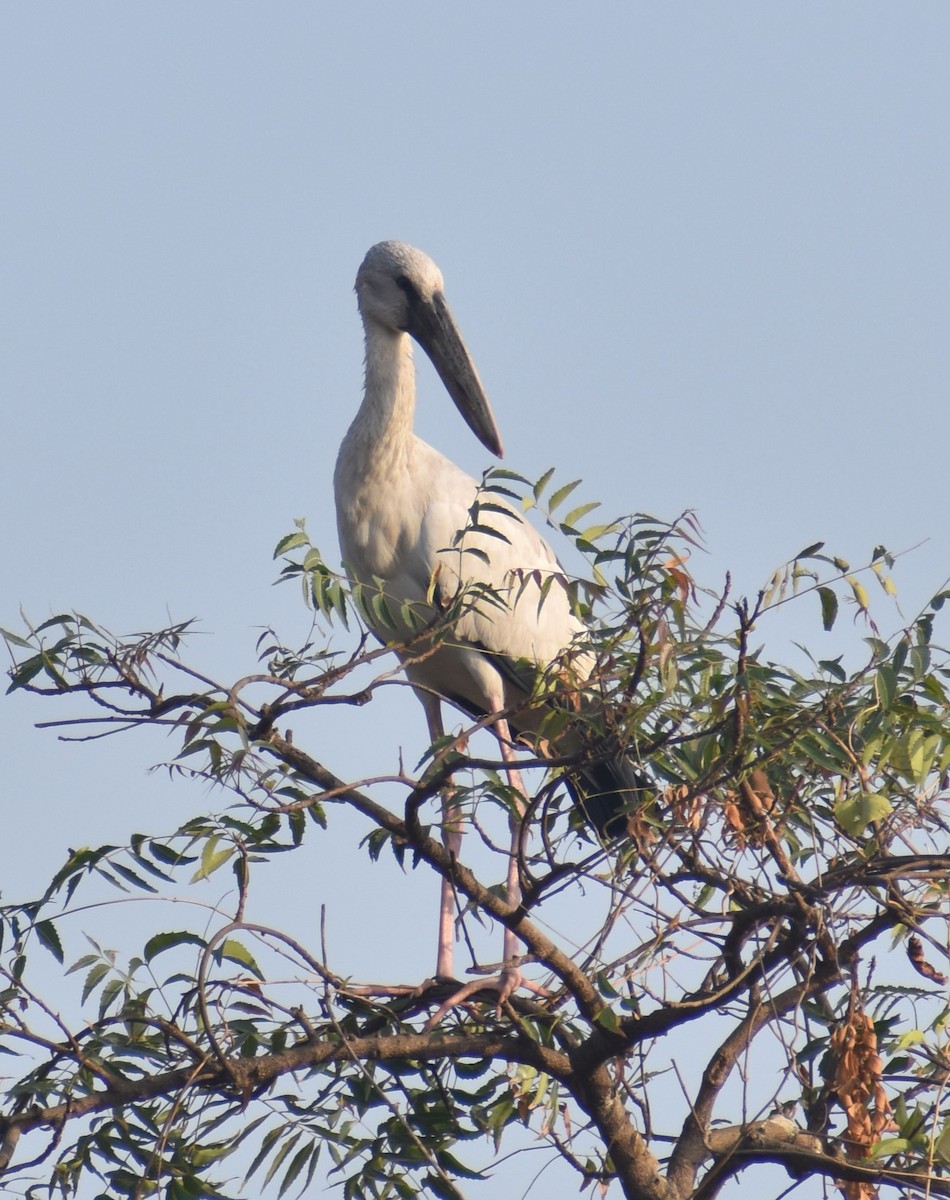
[700, 253]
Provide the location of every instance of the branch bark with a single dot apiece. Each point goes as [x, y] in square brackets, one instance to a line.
[243, 1077]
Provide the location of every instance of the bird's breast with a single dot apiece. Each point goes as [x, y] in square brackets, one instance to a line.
[377, 520]
[371, 546]
[375, 501]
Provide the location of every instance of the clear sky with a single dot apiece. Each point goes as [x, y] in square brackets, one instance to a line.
[700, 253]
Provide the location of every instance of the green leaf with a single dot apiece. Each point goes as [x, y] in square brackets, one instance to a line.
[809, 551]
[290, 542]
[63, 620]
[885, 685]
[592, 533]
[502, 1112]
[919, 661]
[605, 986]
[577, 514]
[165, 941]
[109, 993]
[267, 1143]
[829, 606]
[233, 950]
[212, 859]
[857, 812]
[26, 671]
[93, 979]
[381, 611]
[296, 1166]
[280, 1156]
[942, 1144]
[486, 531]
[450, 1163]
[542, 483]
[86, 961]
[893, 1145]
[15, 639]
[131, 877]
[437, 1186]
[924, 758]
[562, 494]
[472, 1070]
[494, 473]
[483, 506]
[46, 932]
[608, 1019]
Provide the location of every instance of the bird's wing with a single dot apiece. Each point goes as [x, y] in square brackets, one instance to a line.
[532, 621]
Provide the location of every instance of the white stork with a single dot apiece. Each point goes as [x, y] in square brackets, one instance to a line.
[400, 504]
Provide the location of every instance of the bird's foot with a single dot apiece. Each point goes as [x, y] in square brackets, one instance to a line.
[368, 990]
[507, 981]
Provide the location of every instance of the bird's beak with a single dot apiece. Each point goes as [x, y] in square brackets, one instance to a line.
[433, 326]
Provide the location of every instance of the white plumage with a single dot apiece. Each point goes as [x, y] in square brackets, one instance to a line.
[400, 505]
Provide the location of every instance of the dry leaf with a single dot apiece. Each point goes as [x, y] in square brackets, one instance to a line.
[746, 810]
[681, 577]
[860, 1091]
[686, 808]
[915, 953]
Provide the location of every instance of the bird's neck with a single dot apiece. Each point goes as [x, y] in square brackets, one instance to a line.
[383, 425]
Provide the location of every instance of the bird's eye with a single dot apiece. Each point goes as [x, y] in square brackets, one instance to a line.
[404, 283]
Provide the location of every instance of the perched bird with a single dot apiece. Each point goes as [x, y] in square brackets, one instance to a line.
[400, 508]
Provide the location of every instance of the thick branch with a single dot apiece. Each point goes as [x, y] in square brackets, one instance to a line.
[778, 1140]
[638, 1171]
[248, 1076]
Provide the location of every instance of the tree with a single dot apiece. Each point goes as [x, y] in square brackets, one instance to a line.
[735, 982]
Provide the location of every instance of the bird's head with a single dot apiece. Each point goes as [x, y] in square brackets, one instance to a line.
[393, 277]
[400, 288]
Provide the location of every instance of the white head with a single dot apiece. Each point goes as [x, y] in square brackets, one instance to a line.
[389, 275]
[400, 288]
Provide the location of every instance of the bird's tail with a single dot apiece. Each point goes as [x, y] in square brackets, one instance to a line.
[606, 790]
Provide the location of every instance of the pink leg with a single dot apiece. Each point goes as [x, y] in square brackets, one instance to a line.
[451, 840]
[509, 977]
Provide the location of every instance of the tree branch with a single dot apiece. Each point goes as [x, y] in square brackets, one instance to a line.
[248, 1076]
